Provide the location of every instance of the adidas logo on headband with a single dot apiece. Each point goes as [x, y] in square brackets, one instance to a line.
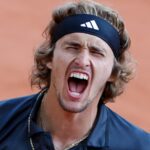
[91, 24]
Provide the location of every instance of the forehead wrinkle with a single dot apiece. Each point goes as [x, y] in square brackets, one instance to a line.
[75, 41]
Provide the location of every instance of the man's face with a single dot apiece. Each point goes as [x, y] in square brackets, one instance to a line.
[80, 68]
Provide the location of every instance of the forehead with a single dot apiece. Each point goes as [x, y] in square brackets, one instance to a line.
[83, 38]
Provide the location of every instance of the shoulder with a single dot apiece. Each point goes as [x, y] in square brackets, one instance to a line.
[16, 101]
[16, 108]
[16, 104]
[126, 134]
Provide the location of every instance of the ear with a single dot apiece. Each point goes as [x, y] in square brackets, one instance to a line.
[49, 65]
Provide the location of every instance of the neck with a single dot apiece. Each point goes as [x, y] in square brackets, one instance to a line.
[65, 127]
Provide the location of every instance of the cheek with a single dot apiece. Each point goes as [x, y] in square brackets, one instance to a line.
[103, 72]
[58, 60]
[60, 64]
[61, 57]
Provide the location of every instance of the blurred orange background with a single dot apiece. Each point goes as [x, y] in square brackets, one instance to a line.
[21, 26]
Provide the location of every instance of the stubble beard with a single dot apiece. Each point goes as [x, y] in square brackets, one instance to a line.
[70, 109]
[63, 103]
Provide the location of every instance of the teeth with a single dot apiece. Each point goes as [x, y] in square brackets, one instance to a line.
[79, 75]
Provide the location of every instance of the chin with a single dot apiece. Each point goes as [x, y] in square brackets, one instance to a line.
[72, 107]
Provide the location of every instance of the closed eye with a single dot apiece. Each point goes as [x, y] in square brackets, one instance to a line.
[97, 52]
[72, 46]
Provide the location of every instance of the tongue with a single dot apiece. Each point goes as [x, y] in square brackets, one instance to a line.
[77, 87]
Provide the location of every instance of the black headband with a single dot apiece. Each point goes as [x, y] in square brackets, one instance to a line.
[90, 24]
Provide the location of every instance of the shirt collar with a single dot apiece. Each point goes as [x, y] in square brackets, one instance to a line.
[33, 128]
[99, 135]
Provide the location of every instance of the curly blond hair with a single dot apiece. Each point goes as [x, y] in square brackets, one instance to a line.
[123, 66]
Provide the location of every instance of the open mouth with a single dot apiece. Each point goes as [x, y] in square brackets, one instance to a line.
[77, 83]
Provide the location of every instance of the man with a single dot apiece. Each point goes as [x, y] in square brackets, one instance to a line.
[83, 63]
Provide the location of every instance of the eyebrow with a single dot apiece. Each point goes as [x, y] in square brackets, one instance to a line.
[72, 43]
[97, 48]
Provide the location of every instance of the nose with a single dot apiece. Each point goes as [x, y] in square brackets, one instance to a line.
[82, 59]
